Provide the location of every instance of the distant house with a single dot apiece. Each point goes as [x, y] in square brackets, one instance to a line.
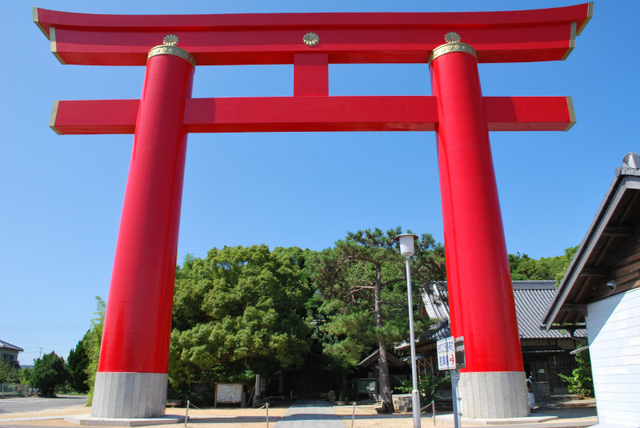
[545, 353]
[9, 353]
[602, 288]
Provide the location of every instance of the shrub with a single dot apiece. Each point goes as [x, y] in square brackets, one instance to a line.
[581, 380]
[430, 387]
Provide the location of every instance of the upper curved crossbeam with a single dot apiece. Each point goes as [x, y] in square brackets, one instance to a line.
[241, 39]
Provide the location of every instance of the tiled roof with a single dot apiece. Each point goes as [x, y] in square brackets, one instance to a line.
[532, 300]
[6, 345]
[441, 330]
[435, 301]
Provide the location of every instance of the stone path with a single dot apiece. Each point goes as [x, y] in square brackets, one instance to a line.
[310, 414]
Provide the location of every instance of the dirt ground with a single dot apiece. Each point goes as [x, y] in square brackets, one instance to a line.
[365, 417]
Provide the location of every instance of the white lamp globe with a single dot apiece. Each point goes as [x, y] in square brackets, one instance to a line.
[406, 243]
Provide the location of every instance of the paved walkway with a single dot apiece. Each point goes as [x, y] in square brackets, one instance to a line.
[310, 414]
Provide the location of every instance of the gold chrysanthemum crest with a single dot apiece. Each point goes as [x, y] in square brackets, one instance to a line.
[311, 39]
[170, 40]
[168, 47]
[453, 45]
[452, 37]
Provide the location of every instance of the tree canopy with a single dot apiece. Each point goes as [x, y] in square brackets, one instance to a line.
[362, 283]
[524, 268]
[8, 372]
[78, 364]
[49, 373]
[91, 343]
[243, 311]
[238, 312]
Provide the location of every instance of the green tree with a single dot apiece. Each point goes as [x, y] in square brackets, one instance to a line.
[238, 312]
[48, 373]
[524, 268]
[78, 363]
[91, 344]
[581, 380]
[564, 261]
[430, 387]
[363, 283]
[8, 372]
[24, 376]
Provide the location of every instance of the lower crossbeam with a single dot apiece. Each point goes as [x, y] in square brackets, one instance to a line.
[313, 114]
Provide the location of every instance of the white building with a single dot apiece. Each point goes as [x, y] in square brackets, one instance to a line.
[9, 353]
[602, 288]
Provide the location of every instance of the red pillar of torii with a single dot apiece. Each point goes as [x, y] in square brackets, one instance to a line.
[132, 375]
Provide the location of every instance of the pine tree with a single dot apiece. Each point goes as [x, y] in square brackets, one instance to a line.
[49, 373]
[78, 362]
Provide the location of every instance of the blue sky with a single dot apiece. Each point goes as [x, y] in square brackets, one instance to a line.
[61, 196]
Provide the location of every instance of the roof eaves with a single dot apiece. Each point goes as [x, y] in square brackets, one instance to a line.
[598, 224]
[7, 345]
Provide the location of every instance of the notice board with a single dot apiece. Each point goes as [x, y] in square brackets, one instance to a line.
[228, 393]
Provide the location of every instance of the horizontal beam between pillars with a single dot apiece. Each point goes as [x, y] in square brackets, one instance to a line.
[313, 114]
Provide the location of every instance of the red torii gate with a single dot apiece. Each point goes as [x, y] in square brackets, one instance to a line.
[132, 374]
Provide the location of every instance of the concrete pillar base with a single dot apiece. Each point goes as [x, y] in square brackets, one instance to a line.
[129, 395]
[90, 421]
[494, 395]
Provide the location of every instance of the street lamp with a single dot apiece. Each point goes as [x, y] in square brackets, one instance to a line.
[406, 249]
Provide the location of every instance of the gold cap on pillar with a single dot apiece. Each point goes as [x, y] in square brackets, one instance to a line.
[168, 47]
[453, 45]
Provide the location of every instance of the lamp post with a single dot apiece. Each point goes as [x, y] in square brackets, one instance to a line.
[407, 250]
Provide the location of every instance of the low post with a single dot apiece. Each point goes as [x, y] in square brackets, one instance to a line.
[353, 416]
[256, 391]
[433, 409]
[267, 407]
[186, 414]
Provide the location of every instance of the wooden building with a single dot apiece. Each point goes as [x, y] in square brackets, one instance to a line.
[545, 353]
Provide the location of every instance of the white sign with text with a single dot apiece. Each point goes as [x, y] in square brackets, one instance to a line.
[446, 354]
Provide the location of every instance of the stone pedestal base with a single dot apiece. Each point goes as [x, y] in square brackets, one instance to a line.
[90, 421]
[129, 395]
[494, 395]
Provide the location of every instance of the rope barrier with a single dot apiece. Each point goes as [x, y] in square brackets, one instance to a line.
[190, 404]
[432, 405]
[433, 408]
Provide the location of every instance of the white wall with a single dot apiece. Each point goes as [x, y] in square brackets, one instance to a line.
[613, 326]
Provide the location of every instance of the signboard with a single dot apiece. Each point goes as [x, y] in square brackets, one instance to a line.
[228, 393]
[451, 353]
[368, 386]
[446, 354]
